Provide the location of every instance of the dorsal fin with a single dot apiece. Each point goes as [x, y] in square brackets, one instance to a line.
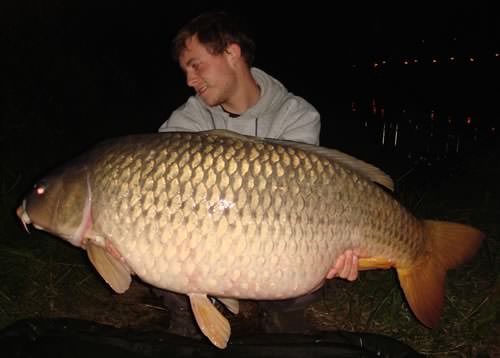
[234, 135]
[358, 166]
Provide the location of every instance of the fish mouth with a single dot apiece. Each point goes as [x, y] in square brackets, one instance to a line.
[23, 216]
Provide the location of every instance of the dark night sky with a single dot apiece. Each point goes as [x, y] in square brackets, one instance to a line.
[106, 68]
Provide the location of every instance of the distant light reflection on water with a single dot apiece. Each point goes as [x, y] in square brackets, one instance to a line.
[421, 135]
[419, 104]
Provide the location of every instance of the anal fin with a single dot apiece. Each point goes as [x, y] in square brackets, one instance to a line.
[374, 263]
[211, 322]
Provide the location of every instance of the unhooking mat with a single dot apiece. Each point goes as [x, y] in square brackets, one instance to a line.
[76, 338]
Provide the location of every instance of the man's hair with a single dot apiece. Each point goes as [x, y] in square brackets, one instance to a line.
[216, 31]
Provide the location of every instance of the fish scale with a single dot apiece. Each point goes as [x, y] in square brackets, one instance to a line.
[221, 214]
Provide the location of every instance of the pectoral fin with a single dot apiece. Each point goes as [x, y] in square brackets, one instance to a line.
[231, 304]
[112, 270]
[211, 322]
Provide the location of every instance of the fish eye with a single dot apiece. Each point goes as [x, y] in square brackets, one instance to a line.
[40, 188]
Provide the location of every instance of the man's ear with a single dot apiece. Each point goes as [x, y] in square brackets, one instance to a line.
[233, 53]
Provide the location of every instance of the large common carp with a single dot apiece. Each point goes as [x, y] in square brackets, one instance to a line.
[234, 217]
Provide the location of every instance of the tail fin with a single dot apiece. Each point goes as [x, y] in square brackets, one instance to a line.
[448, 245]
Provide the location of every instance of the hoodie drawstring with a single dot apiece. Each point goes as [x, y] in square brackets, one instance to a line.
[256, 123]
[213, 120]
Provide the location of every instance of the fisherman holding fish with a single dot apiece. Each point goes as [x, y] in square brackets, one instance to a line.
[217, 214]
[216, 53]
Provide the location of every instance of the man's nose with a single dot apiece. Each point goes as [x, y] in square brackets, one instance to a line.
[192, 80]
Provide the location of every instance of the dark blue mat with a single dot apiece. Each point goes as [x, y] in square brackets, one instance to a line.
[75, 338]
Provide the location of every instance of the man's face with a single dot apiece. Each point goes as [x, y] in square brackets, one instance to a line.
[211, 76]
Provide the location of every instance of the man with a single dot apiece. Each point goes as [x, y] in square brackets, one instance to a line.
[216, 55]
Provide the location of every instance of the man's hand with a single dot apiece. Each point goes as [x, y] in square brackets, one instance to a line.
[345, 267]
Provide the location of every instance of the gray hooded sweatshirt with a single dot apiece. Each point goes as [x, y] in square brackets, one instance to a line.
[277, 114]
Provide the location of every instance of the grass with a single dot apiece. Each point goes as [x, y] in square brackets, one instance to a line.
[41, 276]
